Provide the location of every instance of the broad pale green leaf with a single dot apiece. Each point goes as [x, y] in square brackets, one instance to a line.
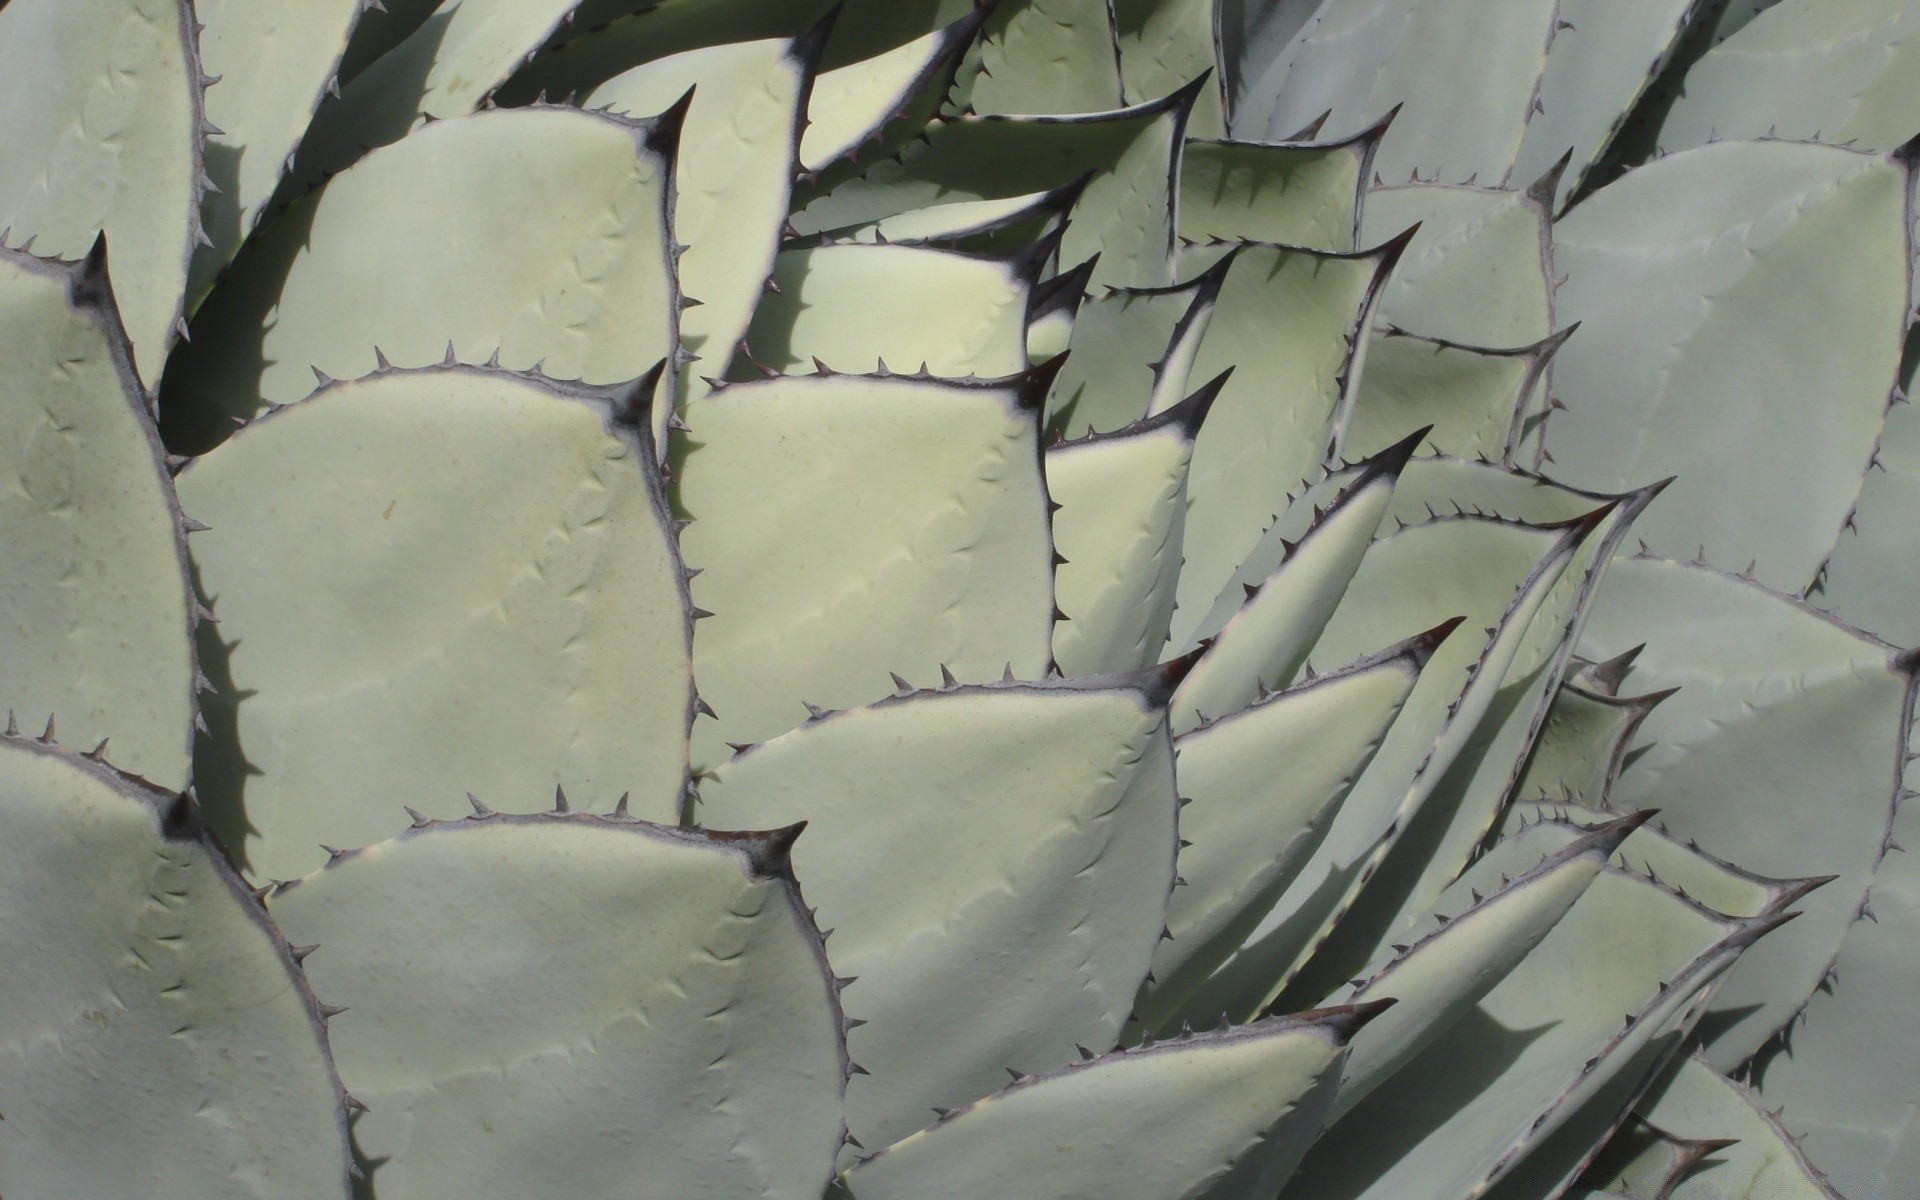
[1046, 56]
[1125, 214]
[541, 637]
[1692, 1101]
[97, 607]
[854, 307]
[1458, 952]
[446, 67]
[1474, 400]
[1015, 221]
[1355, 61]
[1290, 193]
[1438, 486]
[1258, 641]
[1112, 376]
[1211, 1116]
[156, 1036]
[1483, 574]
[1582, 745]
[1839, 71]
[850, 110]
[101, 101]
[1261, 788]
[1869, 578]
[847, 527]
[564, 1004]
[1602, 59]
[994, 862]
[1165, 45]
[1760, 273]
[1053, 309]
[274, 61]
[732, 175]
[1477, 272]
[1542, 1043]
[1781, 751]
[1120, 501]
[368, 267]
[1289, 321]
[1848, 1083]
[1475, 777]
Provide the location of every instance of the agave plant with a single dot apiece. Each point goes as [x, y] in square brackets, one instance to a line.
[1131, 505]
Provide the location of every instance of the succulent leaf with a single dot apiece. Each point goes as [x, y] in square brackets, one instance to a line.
[1474, 400]
[273, 62]
[846, 527]
[1108, 382]
[1044, 56]
[1751, 664]
[1289, 322]
[1289, 193]
[102, 107]
[1839, 73]
[1129, 1126]
[1729, 251]
[339, 695]
[1009, 911]
[859, 109]
[531, 1001]
[1480, 269]
[1121, 501]
[849, 308]
[1355, 61]
[98, 609]
[732, 175]
[164, 1041]
[584, 291]
[1262, 786]
[1165, 43]
[1869, 578]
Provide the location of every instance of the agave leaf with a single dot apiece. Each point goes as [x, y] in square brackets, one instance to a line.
[1536, 1049]
[975, 225]
[1478, 271]
[1125, 214]
[1869, 579]
[848, 527]
[380, 28]
[1761, 273]
[1260, 789]
[1750, 665]
[1210, 1116]
[544, 594]
[732, 176]
[1120, 501]
[1582, 746]
[558, 1004]
[1107, 383]
[848, 308]
[1439, 486]
[1053, 310]
[1473, 399]
[1258, 641]
[102, 107]
[865, 109]
[1848, 1083]
[1692, 1104]
[1841, 73]
[446, 67]
[274, 61]
[994, 862]
[159, 1038]
[1475, 776]
[1290, 193]
[98, 609]
[1602, 59]
[1355, 61]
[1290, 322]
[1481, 573]
[1165, 43]
[1459, 952]
[1044, 56]
[366, 271]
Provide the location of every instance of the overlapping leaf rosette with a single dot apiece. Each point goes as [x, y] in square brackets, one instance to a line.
[1160, 515]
